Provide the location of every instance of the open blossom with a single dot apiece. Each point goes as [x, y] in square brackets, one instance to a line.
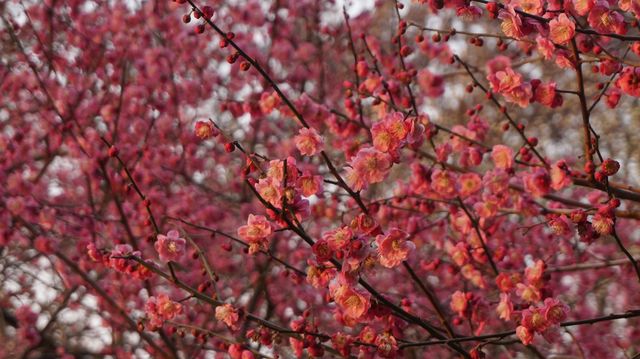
[554, 311]
[170, 247]
[389, 134]
[470, 183]
[205, 130]
[546, 95]
[524, 334]
[582, 7]
[338, 238]
[269, 102]
[161, 308]
[528, 292]
[227, 314]
[309, 184]
[270, 189]
[605, 20]
[545, 47]
[353, 303]
[537, 183]
[459, 303]
[629, 81]
[368, 166]
[255, 232]
[511, 22]
[505, 307]
[502, 156]
[443, 183]
[504, 80]
[560, 176]
[393, 248]
[308, 141]
[534, 7]
[602, 224]
[561, 29]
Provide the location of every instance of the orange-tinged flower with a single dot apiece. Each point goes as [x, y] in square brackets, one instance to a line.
[353, 303]
[368, 166]
[308, 141]
[469, 184]
[443, 183]
[459, 303]
[255, 232]
[228, 314]
[505, 307]
[525, 335]
[502, 156]
[338, 238]
[561, 29]
[393, 248]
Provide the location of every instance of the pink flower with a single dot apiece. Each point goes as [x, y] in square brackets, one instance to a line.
[502, 156]
[205, 130]
[554, 311]
[560, 225]
[559, 176]
[582, 7]
[534, 273]
[431, 85]
[161, 308]
[443, 183]
[546, 94]
[602, 224]
[520, 95]
[534, 319]
[629, 81]
[368, 166]
[505, 80]
[390, 133]
[338, 238]
[227, 314]
[353, 303]
[459, 303]
[308, 141]
[386, 345]
[528, 292]
[255, 232]
[394, 247]
[511, 23]
[269, 102]
[537, 183]
[505, 307]
[604, 20]
[309, 184]
[170, 247]
[545, 47]
[561, 29]
[270, 189]
[525, 335]
[470, 183]
[529, 6]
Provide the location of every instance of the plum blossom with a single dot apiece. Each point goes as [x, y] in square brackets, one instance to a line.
[308, 141]
[394, 247]
[227, 314]
[390, 133]
[502, 156]
[561, 29]
[255, 232]
[161, 308]
[352, 302]
[368, 166]
[170, 247]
